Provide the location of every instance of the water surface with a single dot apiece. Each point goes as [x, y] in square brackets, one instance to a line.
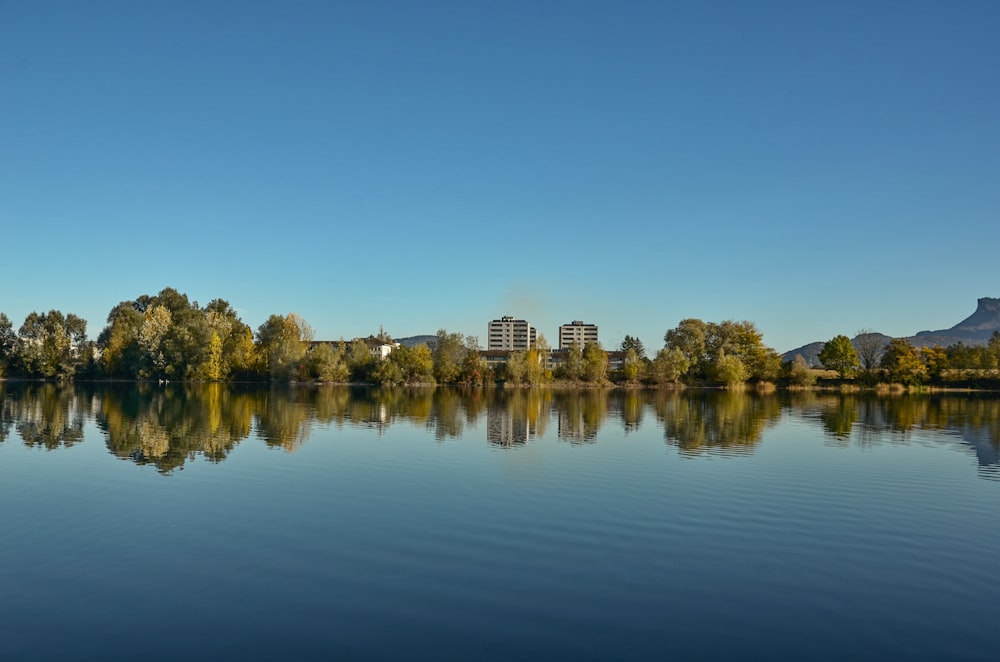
[194, 522]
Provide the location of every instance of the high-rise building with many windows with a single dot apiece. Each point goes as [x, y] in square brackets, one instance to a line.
[509, 334]
[576, 333]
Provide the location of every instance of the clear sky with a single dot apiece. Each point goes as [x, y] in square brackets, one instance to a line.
[814, 167]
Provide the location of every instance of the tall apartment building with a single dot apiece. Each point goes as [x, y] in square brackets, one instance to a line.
[508, 333]
[576, 333]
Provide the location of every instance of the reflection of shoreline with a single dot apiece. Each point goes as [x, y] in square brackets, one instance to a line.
[168, 425]
[49, 417]
[722, 423]
[972, 422]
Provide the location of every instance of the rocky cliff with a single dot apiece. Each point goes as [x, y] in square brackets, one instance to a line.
[976, 329]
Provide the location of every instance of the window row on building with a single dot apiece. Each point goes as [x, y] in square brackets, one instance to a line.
[511, 334]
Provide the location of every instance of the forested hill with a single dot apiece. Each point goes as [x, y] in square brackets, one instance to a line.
[975, 330]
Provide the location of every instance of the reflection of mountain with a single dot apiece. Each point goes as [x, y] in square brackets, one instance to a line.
[986, 447]
[973, 422]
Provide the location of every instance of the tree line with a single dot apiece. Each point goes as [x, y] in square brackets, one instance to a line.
[868, 359]
[167, 336]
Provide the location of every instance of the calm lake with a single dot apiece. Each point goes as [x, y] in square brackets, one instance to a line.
[187, 522]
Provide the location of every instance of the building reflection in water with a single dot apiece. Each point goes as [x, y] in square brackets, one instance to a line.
[168, 425]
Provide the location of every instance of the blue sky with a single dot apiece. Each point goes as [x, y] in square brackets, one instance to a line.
[814, 167]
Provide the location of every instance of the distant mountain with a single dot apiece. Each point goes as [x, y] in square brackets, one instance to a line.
[811, 351]
[974, 330]
[413, 341]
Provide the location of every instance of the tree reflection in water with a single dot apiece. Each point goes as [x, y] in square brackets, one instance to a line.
[581, 414]
[715, 421]
[168, 425]
[867, 420]
[47, 417]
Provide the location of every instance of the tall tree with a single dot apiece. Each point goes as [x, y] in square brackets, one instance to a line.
[449, 353]
[225, 324]
[839, 354]
[121, 355]
[537, 362]
[729, 369]
[936, 360]
[282, 342]
[573, 367]
[50, 344]
[669, 366]
[156, 323]
[595, 362]
[712, 350]
[327, 362]
[634, 366]
[360, 361]
[8, 344]
[869, 346]
[634, 344]
[689, 337]
[902, 362]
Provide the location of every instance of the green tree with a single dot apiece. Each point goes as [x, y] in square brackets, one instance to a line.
[224, 322]
[634, 366]
[406, 365]
[537, 362]
[573, 367]
[690, 339]
[449, 354]
[769, 368]
[516, 368]
[475, 370]
[993, 351]
[121, 355]
[634, 344]
[711, 350]
[389, 372]
[49, 344]
[595, 362]
[902, 362]
[839, 354]
[8, 345]
[669, 366]
[327, 362]
[360, 361]
[729, 369]
[243, 354]
[416, 364]
[156, 323]
[936, 361]
[281, 345]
